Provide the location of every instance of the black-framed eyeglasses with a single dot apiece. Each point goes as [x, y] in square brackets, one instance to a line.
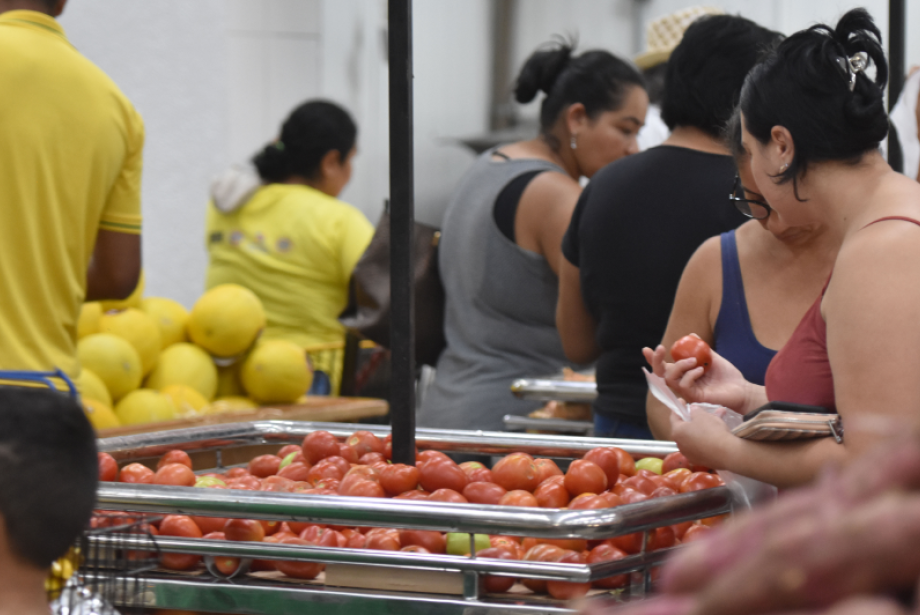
[752, 208]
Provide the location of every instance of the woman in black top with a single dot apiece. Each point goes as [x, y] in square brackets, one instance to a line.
[641, 218]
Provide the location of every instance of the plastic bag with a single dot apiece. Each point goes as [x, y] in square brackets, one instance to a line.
[747, 491]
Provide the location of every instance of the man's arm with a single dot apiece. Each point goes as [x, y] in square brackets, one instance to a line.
[115, 266]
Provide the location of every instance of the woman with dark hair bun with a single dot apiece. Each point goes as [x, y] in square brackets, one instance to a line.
[500, 244]
[278, 228]
[813, 116]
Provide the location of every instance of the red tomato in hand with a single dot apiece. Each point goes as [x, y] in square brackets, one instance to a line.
[691, 346]
[175, 456]
[398, 477]
[483, 493]
[136, 473]
[319, 445]
[585, 477]
[108, 468]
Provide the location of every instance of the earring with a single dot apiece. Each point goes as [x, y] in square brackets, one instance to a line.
[572, 143]
[783, 168]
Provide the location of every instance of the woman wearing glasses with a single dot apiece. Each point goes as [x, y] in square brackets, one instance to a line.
[812, 120]
[745, 291]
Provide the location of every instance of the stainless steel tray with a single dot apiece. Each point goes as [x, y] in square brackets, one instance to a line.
[545, 389]
[514, 422]
[221, 440]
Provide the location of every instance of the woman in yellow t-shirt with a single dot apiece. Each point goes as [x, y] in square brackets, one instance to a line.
[277, 227]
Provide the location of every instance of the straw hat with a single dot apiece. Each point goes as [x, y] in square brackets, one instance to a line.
[664, 34]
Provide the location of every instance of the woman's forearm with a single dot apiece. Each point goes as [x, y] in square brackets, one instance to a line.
[784, 464]
[756, 396]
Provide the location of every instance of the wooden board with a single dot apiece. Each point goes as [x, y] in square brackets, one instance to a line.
[317, 408]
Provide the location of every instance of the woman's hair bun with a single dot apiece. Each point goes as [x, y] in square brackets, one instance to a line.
[541, 70]
[272, 163]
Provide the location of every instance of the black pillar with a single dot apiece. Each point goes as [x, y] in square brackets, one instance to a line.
[402, 205]
[897, 23]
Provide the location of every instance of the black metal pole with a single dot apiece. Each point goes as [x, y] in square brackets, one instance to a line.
[897, 20]
[402, 205]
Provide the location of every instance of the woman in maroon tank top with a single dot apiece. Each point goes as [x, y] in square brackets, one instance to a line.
[813, 118]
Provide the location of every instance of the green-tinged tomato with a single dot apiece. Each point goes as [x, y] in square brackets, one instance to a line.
[652, 464]
[287, 461]
[458, 543]
[209, 481]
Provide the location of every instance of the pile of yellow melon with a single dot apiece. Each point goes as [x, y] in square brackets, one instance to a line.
[147, 359]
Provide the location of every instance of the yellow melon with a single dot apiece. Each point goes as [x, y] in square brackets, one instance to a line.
[276, 371]
[187, 364]
[228, 381]
[114, 360]
[171, 318]
[187, 400]
[234, 403]
[145, 406]
[88, 322]
[139, 329]
[91, 386]
[99, 414]
[226, 320]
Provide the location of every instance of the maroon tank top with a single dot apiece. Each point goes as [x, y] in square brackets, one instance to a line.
[801, 371]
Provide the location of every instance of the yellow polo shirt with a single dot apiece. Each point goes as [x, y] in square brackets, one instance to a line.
[70, 164]
[295, 248]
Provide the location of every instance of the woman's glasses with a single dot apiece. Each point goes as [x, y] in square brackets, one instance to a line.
[752, 208]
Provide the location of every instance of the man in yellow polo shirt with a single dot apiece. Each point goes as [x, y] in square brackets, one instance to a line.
[70, 170]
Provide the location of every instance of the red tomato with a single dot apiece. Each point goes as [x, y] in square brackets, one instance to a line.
[319, 445]
[237, 472]
[506, 543]
[277, 483]
[398, 477]
[244, 530]
[296, 471]
[298, 570]
[264, 465]
[476, 472]
[432, 542]
[569, 544]
[179, 561]
[426, 456]
[365, 442]
[325, 468]
[695, 532]
[225, 565]
[661, 538]
[585, 477]
[348, 453]
[483, 493]
[541, 553]
[365, 472]
[567, 590]
[674, 461]
[415, 549]
[492, 583]
[588, 501]
[661, 492]
[412, 494]
[606, 459]
[174, 474]
[681, 528]
[628, 543]
[447, 495]
[287, 449]
[248, 482]
[442, 474]
[356, 541]
[552, 493]
[675, 478]
[519, 497]
[627, 463]
[383, 540]
[179, 525]
[175, 456]
[210, 525]
[631, 497]
[546, 468]
[323, 537]
[108, 468]
[371, 458]
[714, 521]
[517, 471]
[361, 487]
[692, 346]
[700, 480]
[642, 484]
[611, 498]
[136, 473]
[605, 552]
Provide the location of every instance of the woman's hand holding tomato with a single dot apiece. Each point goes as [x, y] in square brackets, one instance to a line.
[722, 384]
[705, 439]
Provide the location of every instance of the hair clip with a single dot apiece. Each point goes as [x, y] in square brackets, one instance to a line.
[279, 145]
[852, 66]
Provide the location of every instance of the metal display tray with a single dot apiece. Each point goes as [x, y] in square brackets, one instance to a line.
[547, 389]
[224, 442]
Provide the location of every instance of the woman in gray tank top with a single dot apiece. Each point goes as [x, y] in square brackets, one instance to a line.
[502, 234]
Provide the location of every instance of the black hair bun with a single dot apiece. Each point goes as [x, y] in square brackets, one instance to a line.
[856, 33]
[541, 70]
[272, 163]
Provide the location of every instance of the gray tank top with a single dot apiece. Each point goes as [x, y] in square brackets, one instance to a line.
[500, 318]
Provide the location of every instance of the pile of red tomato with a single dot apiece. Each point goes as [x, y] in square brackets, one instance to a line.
[360, 466]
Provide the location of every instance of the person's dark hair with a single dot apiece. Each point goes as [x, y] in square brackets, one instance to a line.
[732, 136]
[654, 82]
[707, 69]
[597, 79]
[311, 131]
[49, 472]
[802, 86]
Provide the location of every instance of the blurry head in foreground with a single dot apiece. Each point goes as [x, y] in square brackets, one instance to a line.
[48, 477]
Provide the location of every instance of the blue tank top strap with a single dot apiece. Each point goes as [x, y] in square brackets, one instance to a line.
[733, 335]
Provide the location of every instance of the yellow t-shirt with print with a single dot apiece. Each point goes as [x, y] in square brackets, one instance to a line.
[295, 247]
[70, 164]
